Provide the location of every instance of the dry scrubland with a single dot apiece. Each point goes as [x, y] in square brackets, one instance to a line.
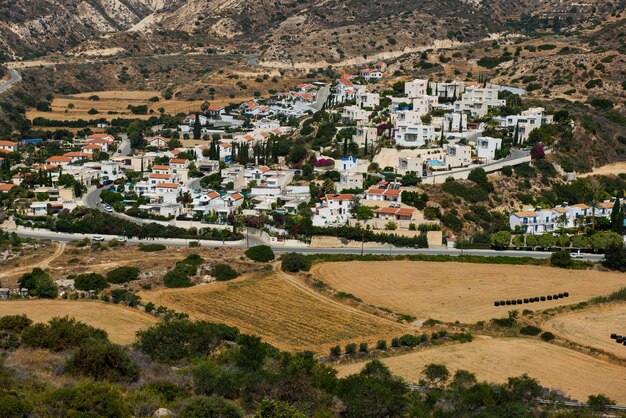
[494, 360]
[592, 327]
[281, 313]
[121, 323]
[459, 291]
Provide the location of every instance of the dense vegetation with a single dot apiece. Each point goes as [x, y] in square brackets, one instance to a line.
[200, 369]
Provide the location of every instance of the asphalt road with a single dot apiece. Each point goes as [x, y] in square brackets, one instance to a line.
[14, 78]
[253, 240]
[124, 148]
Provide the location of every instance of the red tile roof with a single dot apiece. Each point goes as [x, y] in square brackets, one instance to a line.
[6, 187]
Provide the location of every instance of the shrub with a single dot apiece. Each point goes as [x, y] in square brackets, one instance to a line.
[409, 340]
[89, 281]
[9, 340]
[530, 330]
[295, 262]
[599, 402]
[260, 253]
[561, 259]
[381, 345]
[363, 348]
[15, 323]
[101, 360]
[395, 342]
[350, 349]
[60, 334]
[13, 405]
[177, 278]
[122, 275]
[335, 351]
[223, 272]
[177, 339]
[213, 406]
[547, 336]
[87, 399]
[152, 247]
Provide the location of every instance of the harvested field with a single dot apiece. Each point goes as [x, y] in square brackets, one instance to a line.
[278, 311]
[121, 323]
[607, 170]
[494, 360]
[592, 327]
[462, 291]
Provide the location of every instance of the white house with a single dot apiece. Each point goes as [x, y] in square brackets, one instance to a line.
[487, 146]
[416, 88]
[157, 141]
[371, 74]
[349, 181]
[347, 164]
[365, 135]
[58, 160]
[111, 170]
[458, 156]
[367, 100]
[534, 222]
[384, 195]
[478, 101]
[409, 135]
[355, 114]
[525, 122]
[333, 210]
[168, 192]
[455, 122]
[8, 146]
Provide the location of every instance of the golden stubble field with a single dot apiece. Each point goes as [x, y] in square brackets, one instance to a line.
[494, 360]
[283, 314]
[592, 327]
[461, 291]
[120, 322]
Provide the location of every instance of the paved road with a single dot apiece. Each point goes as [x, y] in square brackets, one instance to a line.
[14, 78]
[124, 148]
[252, 240]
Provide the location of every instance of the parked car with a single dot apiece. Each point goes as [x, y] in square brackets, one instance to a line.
[97, 238]
[122, 239]
[108, 209]
[576, 255]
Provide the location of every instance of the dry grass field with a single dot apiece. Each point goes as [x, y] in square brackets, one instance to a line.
[494, 360]
[278, 311]
[592, 327]
[607, 170]
[461, 292]
[121, 323]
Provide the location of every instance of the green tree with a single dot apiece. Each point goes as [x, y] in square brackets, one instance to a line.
[271, 408]
[599, 402]
[135, 135]
[561, 259]
[295, 262]
[122, 274]
[436, 375]
[617, 216]
[501, 240]
[39, 284]
[364, 212]
[197, 127]
[87, 399]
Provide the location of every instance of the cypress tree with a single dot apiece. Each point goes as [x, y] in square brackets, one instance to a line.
[617, 215]
[197, 128]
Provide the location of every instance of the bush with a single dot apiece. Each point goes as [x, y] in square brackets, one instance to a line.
[223, 272]
[213, 406]
[122, 275]
[177, 278]
[530, 330]
[335, 351]
[599, 402]
[260, 253]
[152, 247]
[409, 340]
[501, 240]
[561, 258]
[9, 340]
[87, 399]
[547, 336]
[101, 360]
[295, 262]
[60, 334]
[177, 339]
[89, 281]
[350, 349]
[15, 323]
[381, 345]
[13, 405]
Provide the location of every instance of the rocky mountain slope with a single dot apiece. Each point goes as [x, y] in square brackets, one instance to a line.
[285, 31]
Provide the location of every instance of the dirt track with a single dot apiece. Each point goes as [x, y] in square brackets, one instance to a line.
[461, 291]
[495, 360]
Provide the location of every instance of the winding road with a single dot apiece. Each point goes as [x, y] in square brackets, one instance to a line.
[14, 77]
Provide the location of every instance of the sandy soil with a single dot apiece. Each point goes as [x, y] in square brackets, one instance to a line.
[494, 360]
[607, 170]
[593, 327]
[460, 291]
[282, 314]
[121, 323]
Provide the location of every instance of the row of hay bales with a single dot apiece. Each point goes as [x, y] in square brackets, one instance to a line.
[531, 300]
[619, 338]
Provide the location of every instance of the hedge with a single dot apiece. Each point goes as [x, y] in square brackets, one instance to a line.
[358, 234]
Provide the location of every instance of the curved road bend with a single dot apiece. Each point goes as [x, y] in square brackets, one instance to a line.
[14, 77]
